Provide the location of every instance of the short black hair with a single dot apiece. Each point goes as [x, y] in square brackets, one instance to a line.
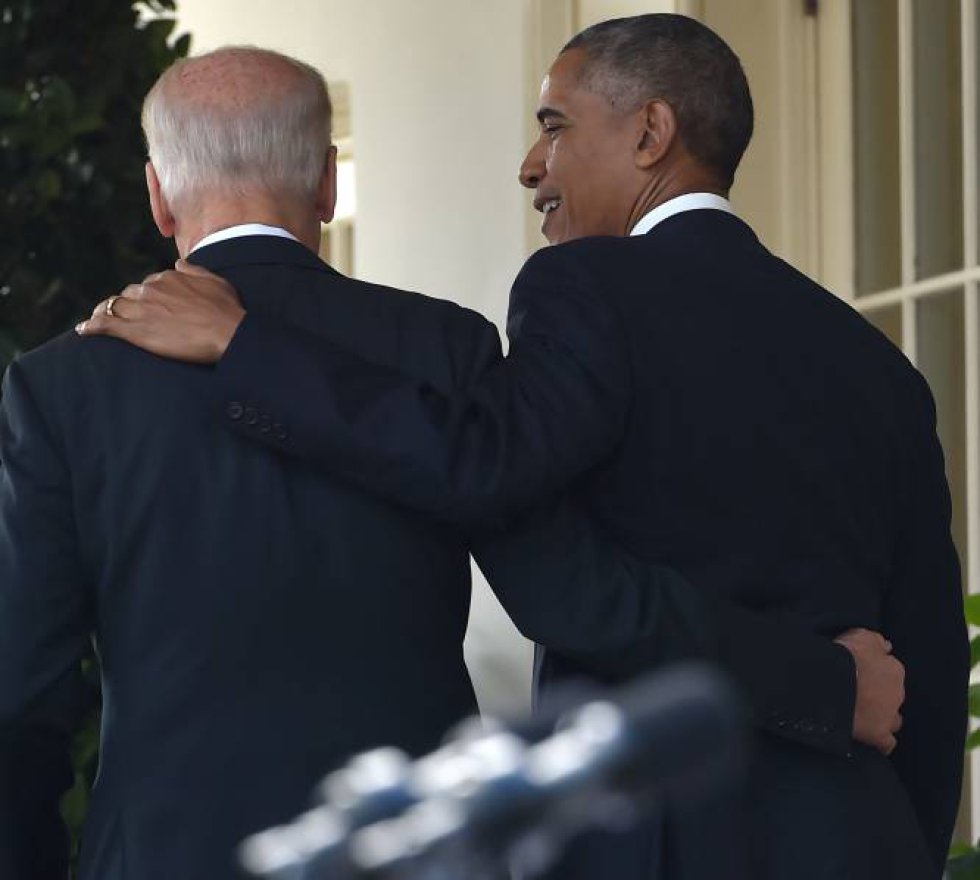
[682, 62]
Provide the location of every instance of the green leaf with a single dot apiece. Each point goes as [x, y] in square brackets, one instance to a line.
[183, 45]
[73, 208]
[973, 740]
[958, 848]
[12, 103]
[160, 28]
[48, 185]
[89, 121]
[8, 350]
[965, 866]
[975, 700]
[971, 605]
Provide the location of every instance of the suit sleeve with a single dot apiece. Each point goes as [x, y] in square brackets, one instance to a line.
[570, 588]
[923, 617]
[511, 436]
[506, 436]
[44, 633]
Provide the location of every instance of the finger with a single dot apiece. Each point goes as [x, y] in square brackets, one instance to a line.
[190, 269]
[112, 309]
[128, 326]
[127, 308]
[877, 638]
[846, 637]
[888, 745]
[102, 309]
[98, 325]
[897, 722]
[859, 633]
[131, 292]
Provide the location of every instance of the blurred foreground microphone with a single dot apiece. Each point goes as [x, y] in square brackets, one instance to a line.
[497, 795]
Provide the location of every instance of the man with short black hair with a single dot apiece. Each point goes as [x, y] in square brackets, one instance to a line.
[685, 64]
[256, 620]
[712, 408]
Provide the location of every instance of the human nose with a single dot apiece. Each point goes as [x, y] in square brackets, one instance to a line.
[532, 168]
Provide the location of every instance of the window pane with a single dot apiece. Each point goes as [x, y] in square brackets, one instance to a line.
[940, 325]
[876, 154]
[938, 137]
[888, 321]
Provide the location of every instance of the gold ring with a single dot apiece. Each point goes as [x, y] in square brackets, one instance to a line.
[109, 303]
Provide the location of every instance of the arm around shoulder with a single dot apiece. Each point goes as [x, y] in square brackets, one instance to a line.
[570, 588]
[511, 433]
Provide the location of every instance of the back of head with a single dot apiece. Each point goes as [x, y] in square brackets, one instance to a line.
[682, 62]
[237, 120]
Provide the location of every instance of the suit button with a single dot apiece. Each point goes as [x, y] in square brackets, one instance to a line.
[265, 424]
[234, 410]
[280, 432]
[251, 416]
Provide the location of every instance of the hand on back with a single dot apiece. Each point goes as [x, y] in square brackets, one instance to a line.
[880, 688]
[187, 314]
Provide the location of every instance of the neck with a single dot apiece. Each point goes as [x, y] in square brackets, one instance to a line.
[678, 180]
[204, 216]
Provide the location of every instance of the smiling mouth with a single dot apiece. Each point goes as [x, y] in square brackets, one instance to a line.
[546, 206]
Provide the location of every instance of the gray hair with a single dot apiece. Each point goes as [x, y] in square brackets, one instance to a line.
[682, 62]
[237, 128]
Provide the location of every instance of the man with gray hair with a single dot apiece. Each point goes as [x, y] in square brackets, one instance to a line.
[712, 407]
[256, 622]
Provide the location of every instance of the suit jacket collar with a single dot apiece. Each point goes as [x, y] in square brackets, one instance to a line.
[257, 250]
[694, 201]
[706, 221]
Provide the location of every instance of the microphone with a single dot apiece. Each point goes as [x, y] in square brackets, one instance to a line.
[495, 794]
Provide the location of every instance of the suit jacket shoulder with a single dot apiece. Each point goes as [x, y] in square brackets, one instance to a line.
[285, 285]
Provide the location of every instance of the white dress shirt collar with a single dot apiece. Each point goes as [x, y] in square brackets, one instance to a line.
[240, 231]
[687, 202]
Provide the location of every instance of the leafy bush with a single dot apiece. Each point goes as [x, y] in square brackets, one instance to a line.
[75, 222]
[964, 859]
[73, 209]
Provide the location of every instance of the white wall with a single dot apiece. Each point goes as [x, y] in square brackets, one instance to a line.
[434, 85]
[591, 11]
[437, 96]
[315, 31]
[437, 101]
[777, 185]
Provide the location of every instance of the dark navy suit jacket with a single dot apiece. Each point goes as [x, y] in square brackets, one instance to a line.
[257, 622]
[716, 411]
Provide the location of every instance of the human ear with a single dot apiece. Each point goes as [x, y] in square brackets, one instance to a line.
[657, 135]
[326, 194]
[159, 206]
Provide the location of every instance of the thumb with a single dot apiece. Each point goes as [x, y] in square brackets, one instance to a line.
[99, 325]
